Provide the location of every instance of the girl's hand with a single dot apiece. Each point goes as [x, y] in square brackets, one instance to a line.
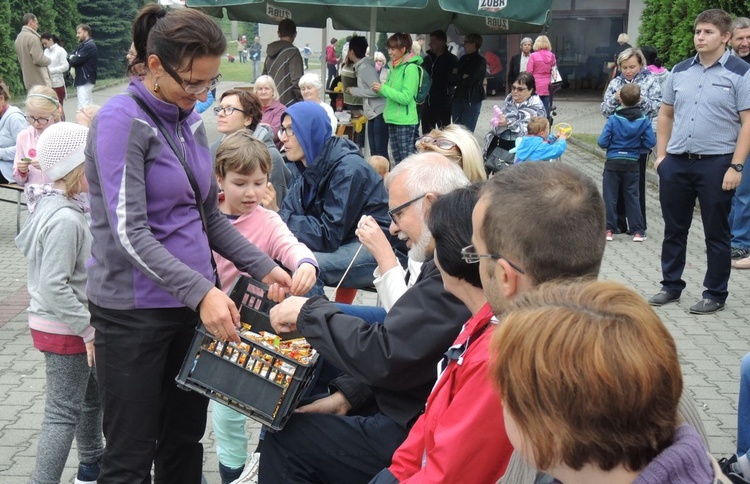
[23, 165]
[303, 279]
[269, 199]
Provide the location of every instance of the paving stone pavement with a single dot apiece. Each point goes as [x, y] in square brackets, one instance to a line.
[710, 347]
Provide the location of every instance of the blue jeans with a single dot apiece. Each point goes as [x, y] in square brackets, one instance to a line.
[377, 135]
[257, 70]
[546, 103]
[465, 113]
[739, 217]
[332, 266]
[626, 183]
[743, 412]
[369, 314]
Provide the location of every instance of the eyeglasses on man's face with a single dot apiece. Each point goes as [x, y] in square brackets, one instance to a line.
[286, 131]
[227, 110]
[441, 143]
[470, 256]
[189, 87]
[395, 214]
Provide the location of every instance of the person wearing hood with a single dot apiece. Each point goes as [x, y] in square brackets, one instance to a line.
[632, 66]
[325, 203]
[626, 134]
[284, 63]
[468, 77]
[12, 122]
[539, 144]
[239, 109]
[399, 89]
[540, 66]
[373, 105]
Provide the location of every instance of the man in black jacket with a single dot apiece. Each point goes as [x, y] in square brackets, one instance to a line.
[340, 438]
[518, 62]
[86, 60]
[439, 63]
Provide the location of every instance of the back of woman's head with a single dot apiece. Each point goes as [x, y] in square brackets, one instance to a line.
[542, 43]
[175, 36]
[589, 374]
[449, 221]
[649, 53]
[250, 104]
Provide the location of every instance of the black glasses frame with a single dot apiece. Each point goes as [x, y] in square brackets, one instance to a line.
[394, 214]
[470, 256]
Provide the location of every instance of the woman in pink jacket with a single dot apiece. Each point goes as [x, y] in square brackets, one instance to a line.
[540, 66]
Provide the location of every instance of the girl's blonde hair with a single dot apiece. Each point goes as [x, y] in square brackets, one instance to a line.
[74, 181]
[466, 151]
[44, 99]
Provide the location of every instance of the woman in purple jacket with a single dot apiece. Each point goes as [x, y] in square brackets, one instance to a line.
[150, 278]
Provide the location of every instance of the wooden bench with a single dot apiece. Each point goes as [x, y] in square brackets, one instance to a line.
[18, 201]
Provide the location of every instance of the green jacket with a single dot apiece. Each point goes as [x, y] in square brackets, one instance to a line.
[399, 91]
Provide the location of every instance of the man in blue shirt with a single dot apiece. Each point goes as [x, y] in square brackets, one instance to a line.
[703, 140]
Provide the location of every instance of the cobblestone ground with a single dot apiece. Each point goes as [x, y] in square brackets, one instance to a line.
[710, 347]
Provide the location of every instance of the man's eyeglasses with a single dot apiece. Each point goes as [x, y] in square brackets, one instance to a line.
[518, 88]
[39, 121]
[286, 130]
[441, 143]
[227, 110]
[470, 256]
[189, 87]
[395, 214]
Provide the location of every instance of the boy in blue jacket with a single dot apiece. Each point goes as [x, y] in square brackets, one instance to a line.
[539, 144]
[627, 132]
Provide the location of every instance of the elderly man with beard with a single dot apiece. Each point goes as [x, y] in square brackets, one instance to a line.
[389, 368]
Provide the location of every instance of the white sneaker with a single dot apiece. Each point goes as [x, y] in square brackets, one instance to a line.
[250, 472]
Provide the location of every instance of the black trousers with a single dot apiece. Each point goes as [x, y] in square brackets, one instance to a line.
[436, 115]
[315, 447]
[147, 418]
[681, 180]
[622, 222]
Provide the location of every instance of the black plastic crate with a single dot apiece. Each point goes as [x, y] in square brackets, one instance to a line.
[251, 378]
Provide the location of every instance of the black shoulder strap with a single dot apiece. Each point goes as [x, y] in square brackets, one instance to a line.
[178, 153]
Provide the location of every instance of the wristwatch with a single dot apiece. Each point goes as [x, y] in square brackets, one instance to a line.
[738, 166]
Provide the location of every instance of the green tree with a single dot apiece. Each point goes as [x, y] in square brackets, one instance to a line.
[9, 68]
[382, 42]
[66, 21]
[111, 23]
[667, 25]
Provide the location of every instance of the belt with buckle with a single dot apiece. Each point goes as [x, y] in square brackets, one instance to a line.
[697, 156]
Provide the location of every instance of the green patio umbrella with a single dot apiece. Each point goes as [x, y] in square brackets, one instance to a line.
[468, 16]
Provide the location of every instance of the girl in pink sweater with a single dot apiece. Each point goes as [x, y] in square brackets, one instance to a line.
[42, 110]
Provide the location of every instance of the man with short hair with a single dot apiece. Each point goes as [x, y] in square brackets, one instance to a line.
[519, 61]
[31, 54]
[284, 63]
[341, 438]
[740, 41]
[439, 63]
[86, 60]
[373, 105]
[703, 139]
[326, 201]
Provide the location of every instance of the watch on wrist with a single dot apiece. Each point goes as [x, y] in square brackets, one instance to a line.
[737, 166]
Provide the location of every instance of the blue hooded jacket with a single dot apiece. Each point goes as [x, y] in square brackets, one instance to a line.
[626, 133]
[325, 203]
[535, 148]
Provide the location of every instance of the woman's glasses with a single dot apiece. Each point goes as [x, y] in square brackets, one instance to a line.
[227, 110]
[441, 143]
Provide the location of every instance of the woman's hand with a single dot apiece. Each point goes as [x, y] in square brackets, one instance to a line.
[278, 276]
[304, 279]
[219, 315]
[372, 237]
[376, 86]
[90, 353]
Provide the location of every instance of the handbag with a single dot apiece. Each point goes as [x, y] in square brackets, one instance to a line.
[555, 80]
[185, 166]
[498, 160]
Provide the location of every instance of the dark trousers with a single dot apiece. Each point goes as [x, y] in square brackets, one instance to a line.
[331, 74]
[377, 135]
[622, 186]
[465, 113]
[436, 115]
[315, 447]
[680, 181]
[147, 418]
[622, 222]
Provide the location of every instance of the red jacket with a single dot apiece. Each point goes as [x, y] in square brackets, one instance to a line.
[461, 436]
[331, 55]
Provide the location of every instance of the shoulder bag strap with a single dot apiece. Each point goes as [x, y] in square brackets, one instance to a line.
[191, 178]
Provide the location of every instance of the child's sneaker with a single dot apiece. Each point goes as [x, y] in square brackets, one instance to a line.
[610, 236]
[639, 237]
[88, 473]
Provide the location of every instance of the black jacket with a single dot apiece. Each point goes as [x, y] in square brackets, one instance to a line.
[469, 89]
[86, 60]
[439, 68]
[397, 359]
[514, 68]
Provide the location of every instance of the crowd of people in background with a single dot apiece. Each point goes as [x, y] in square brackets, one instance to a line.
[122, 266]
